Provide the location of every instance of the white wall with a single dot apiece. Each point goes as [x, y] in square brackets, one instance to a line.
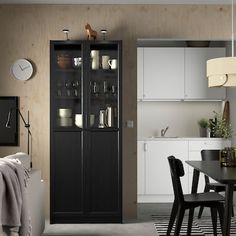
[181, 117]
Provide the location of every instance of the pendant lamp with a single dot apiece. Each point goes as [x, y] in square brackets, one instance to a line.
[221, 72]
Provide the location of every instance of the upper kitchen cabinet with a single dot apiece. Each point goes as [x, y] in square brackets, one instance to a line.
[176, 73]
[196, 84]
[163, 73]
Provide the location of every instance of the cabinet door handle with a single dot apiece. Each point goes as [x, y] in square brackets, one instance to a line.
[145, 147]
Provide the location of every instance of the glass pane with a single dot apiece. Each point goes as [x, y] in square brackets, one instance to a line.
[103, 86]
[68, 84]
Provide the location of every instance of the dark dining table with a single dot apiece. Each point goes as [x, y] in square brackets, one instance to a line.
[224, 175]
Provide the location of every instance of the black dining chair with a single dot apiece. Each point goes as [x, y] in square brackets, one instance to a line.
[190, 201]
[212, 155]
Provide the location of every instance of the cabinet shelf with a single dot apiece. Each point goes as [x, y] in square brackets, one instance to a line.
[67, 129]
[109, 71]
[68, 70]
[107, 129]
[102, 96]
[68, 98]
[77, 129]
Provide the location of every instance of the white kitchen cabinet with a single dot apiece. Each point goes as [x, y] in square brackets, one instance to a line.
[196, 83]
[140, 73]
[141, 167]
[171, 73]
[154, 179]
[157, 172]
[163, 73]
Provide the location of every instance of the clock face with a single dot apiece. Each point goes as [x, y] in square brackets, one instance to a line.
[22, 69]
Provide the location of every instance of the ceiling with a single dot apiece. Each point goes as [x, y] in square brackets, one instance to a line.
[115, 1]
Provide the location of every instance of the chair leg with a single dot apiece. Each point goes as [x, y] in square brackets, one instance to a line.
[180, 216]
[221, 214]
[214, 220]
[200, 212]
[233, 207]
[206, 189]
[190, 221]
[172, 217]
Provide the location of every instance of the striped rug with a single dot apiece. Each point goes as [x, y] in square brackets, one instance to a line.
[201, 227]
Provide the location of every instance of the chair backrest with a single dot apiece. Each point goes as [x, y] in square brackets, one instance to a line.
[177, 171]
[210, 155]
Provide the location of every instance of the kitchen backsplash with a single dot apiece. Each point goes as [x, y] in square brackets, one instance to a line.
[181, 117]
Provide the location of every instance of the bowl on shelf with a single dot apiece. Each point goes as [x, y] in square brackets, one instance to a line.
[64, 61]
[64, 112]
[64, 121]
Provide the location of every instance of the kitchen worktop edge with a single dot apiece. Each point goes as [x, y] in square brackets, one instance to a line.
[180, 139]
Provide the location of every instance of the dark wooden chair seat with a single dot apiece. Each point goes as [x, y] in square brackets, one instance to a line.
[203, 197]
[212, 155]
[183, 202]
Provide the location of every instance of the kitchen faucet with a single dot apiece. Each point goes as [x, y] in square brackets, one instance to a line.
[163, 131]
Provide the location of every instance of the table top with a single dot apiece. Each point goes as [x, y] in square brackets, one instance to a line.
[213, 169]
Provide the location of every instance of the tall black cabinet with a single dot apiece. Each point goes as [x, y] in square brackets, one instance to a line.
[85, 131]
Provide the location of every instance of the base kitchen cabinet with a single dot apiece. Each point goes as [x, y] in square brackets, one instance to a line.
[85, 132]
[157, 179]
[154, 179]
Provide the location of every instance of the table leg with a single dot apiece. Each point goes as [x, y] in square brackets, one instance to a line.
[195, 181]
[228, 209]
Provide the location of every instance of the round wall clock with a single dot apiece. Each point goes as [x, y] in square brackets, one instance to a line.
[22, 69]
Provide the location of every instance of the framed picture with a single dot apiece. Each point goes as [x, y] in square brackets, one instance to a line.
[8, 136]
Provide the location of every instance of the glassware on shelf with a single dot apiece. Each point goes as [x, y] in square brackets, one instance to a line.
[59, 91]
[92, 120]
[75, 85]
[105, 86]
[68, 88]
[102, 119]
[94, 87]
[113, 89]
[77, 62]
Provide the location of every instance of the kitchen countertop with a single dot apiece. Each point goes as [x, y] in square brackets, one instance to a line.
[175, 138]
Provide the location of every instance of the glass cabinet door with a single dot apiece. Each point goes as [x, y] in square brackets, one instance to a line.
[67, 86]
[103, 86]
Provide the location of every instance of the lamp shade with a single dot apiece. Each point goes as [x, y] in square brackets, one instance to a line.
[221, 72]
